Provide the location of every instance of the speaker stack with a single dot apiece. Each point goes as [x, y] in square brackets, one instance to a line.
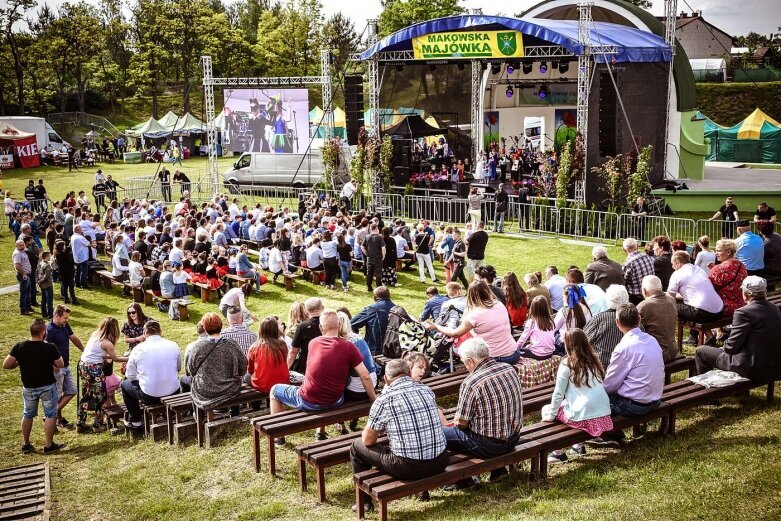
[608, 145]
[353, 101]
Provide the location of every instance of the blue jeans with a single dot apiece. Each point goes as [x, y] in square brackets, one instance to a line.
[619, 405]
[47, 301]
[499, 218]
[46, 394]
[24, 292]
[345, 267]
[466, 441]
[509, 359]
[67, 288]
[290, 396]
[82, 274]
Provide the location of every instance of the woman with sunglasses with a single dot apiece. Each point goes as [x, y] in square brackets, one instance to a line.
[133, 330]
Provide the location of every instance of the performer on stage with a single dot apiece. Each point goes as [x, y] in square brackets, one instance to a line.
[258, 122]
[281, 141]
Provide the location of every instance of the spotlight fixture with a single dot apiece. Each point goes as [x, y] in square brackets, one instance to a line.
[510, 68]
[527, 67]
[496, 68]
[563, 67]
[543, 67]
[543, 92]
[509, 91]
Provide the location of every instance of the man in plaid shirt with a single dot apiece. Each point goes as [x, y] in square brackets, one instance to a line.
[636, 266]
[238, 331]
[489, 415]
[407, 413]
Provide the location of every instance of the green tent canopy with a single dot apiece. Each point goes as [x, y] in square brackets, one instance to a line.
[756, 139]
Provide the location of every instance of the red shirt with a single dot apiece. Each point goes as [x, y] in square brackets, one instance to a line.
[517, 315]
[327, 369]
[265, 369]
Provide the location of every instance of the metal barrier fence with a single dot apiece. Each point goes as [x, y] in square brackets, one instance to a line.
[644, 229]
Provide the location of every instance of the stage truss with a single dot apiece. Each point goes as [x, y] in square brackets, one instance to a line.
[670, 12]
[584, 90]
[209, 82]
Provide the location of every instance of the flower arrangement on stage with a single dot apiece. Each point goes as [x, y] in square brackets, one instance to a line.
[430, 180]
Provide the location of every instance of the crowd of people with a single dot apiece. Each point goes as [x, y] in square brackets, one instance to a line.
[612, 323]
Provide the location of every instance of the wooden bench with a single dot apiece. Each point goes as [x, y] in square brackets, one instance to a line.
[25, 492]
[136, 291]
[678, 364]
[153, 427]
[114, 416]
[106, 279]
[295, 421]
[149, 299]
[336, 451]
[230, 279]
[179, 416]
[700, 328]
[206, 420]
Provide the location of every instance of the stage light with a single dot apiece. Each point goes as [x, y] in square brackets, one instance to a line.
[543, 92]
[527, 67]
[496, 68]
[563, 67]
[510, 68]
[543, 67]
[509, 92]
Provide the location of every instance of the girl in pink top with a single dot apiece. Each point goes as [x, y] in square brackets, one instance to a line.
[486, 318]
[538, 332]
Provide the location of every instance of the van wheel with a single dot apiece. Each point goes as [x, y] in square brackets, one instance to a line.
[233, 187]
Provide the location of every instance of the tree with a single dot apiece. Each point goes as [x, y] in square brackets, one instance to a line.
[645, 4]
[115, 53]
[402, 13]
[150, 17]
[244, 15]
[79, 25]
[289, 42]
[11, 13]
[340, 37]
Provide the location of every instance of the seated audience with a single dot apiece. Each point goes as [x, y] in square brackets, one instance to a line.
[603, 271]
[452, 309]
[659, 316]
[555, 284]
[538, 340]
[703, 257]
[752, 347]
[238, 331]
[697, 299]
[594, 295]
[750, 249]
[602, 331]
[636, 266]
[772, 242]
[267, 358]
[727, 276]
[534, 288]
[516, 300]
[433, 305]
[579, 399]
[663, 259]
[574, 313]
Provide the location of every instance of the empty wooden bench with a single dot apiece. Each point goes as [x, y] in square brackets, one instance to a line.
[336, 451]
[106, 279]
[136, 291]
[700, 328]
[25, 492]
[231, 279]
[179, 416]
[295, 421]
[207, 422]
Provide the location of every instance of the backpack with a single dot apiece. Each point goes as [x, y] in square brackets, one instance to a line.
[405, 334]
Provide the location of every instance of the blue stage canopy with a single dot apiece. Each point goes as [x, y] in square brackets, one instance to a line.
[634, 45]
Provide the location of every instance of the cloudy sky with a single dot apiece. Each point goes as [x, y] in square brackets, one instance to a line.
[733, 17]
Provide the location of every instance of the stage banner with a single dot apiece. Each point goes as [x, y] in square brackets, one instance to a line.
[468, 44]
[27, 150]
[6, 161]
[274, 121]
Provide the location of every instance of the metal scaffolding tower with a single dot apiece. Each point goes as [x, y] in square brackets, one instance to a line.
[585, 23]
[378, 202]
[476, 108]
[209, 82]
[670, 10]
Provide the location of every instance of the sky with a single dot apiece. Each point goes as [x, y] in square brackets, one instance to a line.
[733, 17]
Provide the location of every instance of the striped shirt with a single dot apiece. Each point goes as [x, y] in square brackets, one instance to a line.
[604, 335]
[242, 336]
[408, 414]
[490, 401]
[636, 266]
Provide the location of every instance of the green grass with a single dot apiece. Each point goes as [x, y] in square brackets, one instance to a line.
[719, 456]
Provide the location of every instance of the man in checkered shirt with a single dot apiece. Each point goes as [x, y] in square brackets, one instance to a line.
[407, 413]
[489, 415]
[636, 266]
[237, 331]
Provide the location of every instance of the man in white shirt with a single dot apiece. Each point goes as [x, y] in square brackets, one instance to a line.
[697, 300]
[233, 209]
[314, 256]
[347, 194]
[152, 372]
[555, 285]
[81, 252]
[177, 254]
[402, 252]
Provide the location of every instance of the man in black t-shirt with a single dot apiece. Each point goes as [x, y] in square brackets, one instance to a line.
[373, 249]
[475, 251]
[306, 331]
[29, 195]
[765, 213]
[41, 196]
[729, 214]
[37, 360]
[165, 184]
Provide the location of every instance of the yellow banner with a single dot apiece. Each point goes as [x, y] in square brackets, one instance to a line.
[468, 44]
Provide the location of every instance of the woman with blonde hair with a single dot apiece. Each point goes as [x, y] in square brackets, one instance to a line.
[486, 318]
[96, 359]
[727, 277]
[295, 316]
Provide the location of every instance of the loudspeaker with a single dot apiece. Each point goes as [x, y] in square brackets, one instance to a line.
[353, 106]
[400, 176]
[462, 190]
[608, 145]
[405, 155]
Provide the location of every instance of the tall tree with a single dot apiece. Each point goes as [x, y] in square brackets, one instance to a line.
[11, 13]
[340, 37]
[115, 51]
[402, 13]
[244, 15]
[80, 26]
[150, 38]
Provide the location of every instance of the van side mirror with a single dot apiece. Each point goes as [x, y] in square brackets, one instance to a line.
[236, 164]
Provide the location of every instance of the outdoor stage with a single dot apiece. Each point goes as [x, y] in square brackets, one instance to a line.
[748, 186]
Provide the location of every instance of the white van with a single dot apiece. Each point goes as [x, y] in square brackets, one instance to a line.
[297, 170]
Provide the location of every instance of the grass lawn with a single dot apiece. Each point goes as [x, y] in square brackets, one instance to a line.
[720, 454]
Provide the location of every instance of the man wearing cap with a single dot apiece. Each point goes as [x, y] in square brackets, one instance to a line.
[752, 348]
[750, 249]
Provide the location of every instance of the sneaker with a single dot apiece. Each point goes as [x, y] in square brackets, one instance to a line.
[280, 441]
[321, 436]
[462, 484]
[603, 442]
[27, 448]
[497, 475]
[578, 450]
[557, 458]
[132, 424]
[62, 422]
[345, 290]
[367, 507]
[54, 447]
[27, 312]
